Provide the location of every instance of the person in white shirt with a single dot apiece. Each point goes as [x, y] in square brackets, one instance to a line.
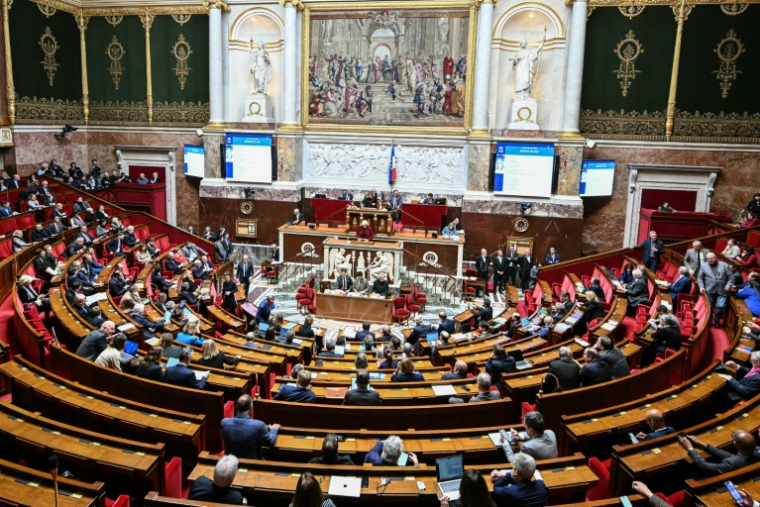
[732, 250]
[111, 357]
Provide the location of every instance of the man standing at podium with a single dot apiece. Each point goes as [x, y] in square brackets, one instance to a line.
[344, 282]
[365, 231]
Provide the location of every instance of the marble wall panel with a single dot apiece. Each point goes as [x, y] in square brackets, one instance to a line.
[570, 161]
[212, 151]
[479, 161]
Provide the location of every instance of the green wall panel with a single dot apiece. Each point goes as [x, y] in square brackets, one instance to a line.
[164, 35]
[655, 29]
[699, 89]
[27, 25]
[131, 35]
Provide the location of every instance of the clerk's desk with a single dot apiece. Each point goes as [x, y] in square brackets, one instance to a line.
[336, 305]
[20, 485]
[566, 478]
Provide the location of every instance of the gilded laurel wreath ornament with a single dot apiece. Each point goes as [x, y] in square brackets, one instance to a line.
[114, 20]
[49, 48]
[47, 10]
[729, 50]
[628, 50]
[733, 9]
[115, 52]
[181, 18]
[182, 52]
[631, 11]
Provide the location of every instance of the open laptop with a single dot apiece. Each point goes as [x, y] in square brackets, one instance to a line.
[520, 363]
[449, 472]
[262, 329]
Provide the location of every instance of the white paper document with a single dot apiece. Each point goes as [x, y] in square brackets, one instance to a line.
[444, 390]
[201, 374]
[496, 438]
[345, 486]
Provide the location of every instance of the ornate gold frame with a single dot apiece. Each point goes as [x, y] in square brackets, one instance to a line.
[396, 6]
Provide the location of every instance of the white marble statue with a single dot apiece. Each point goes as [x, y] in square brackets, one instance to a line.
[525, 69]
[341, 260]
[261, 68]
[381, 265]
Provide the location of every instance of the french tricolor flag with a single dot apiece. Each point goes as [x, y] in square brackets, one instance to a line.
[392, 168]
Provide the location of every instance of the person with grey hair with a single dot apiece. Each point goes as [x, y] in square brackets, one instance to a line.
[517, 487]
[667, 336]
[407, 350]
[329, 350]
[681, 285]
[387, 453]
[745, 384]
[80, 306]
[566, 370]
[540, 443]
[181, 375]
[96, 342]
[594, 371]
[485, 393]
[361, 363]
[695, 257]
[715, 280]
[220, 489]
[296, 368]
[369, 343]
[638, 291]
[129, 236]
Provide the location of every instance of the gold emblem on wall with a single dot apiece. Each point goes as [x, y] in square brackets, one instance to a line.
[729, 50]
[49, 48]
[631, 11]
[733, 9]
[246, 207]
[628, 50]
[182, 52]
[521, 224]
[47, 10]
[115, 52]
[114, 20]
[181, 18]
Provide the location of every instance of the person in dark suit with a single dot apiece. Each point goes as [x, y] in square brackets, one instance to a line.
[516, 488]
[405, 372]
[265, 310]
[483, 313]
[116, 245]
[39, 233]
[656, 424]
[388, 363]
[460, 371]
[381, 286]
[297, 217]
[15, 182]
[330, 454]
[567, 371]
[513, 266]
[150, 368]
[362, 395]
[299, 392]
[499, 363]
[420, 332]
[563, 307]
[429, 199]
[181, 375]
[157, 279]
[682, 285]
[499, 272]
[667, 336]
[596, 288]
[552, 257]
[526, 263]
[85, 236]
[446, 324]
[229, 293]
[595, 371]
[329, 350]
[244, 436]
[482, 264]
[744, 443]
[167, 344]
[75, 247]
[370, 200]
[172, 264]
[746, 384]
[593, 310]
[614, 357]
[6, 209]
[638, 291]
[56, 227]
[344, 282]
[244, 273]
[208, 234]
[365, 332]
[130, 239]
[117, 286]
[96, 342]
[388, 452]
[653, 249]
[347, 196]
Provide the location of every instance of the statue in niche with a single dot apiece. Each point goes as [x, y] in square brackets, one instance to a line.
[525, 69]
[261, 68]
[339, 260]
[381, 265]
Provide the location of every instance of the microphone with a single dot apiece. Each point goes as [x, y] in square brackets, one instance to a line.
[53, 467]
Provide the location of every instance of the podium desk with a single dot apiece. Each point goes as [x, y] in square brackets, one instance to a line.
[355, 308]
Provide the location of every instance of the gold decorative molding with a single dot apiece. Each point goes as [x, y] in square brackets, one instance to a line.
[118, 112]
[733, 9]
[292, 3]
[631, 11]
[33, 110]
[55, 5]
[729, 50]
[686, 11]
[82, 22]
[628, 50]
[114, 20]
[155, 10]
[47, 10]
[181, 18]
[216, 4]
[721, 127]
[180, 114]
[652, 3]
[147, 22]
[681, 15]
[10, 90]
[49, 48]
[115, 52]
[181, 52]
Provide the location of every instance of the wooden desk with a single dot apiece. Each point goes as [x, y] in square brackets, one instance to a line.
[341, 307]
[20, 485]
[379, 219]
[713, 492]
[153, 499]
[565, 478]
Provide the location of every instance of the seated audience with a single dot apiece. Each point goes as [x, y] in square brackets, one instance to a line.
[389, 362]
[244, 436]
[388, 452]
[150, 368]
[746, 383]
[460, 371]
[149, 327]
[681, 285]
[181, 375]
[563, 307]
[667, 336]
[656, 424]
[361, 363]
[299, 392]
[485, 393]
[363, 395]
[732, 249]
[744, 443]
[499, 362]
[117, 285]
[96, 342]
[330, 454]
[473, 492]
[329, 350]
[111, 356]
[405, 372]
[638, 291]
[18, 241]
[595, 371]
[516, 488]
[219, 489]
[483, 313]
[751, 297]
[191, 334]
[167, 343]
[129, 236]
[566, 370]
[748, 258]
[212, 357]
[360, 335]
[309, 494]
[613, 356]
[539, 443]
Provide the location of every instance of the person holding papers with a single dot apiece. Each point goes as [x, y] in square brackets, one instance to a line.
[405, 372]
[538, 442]
[390, 453]
[181, 375]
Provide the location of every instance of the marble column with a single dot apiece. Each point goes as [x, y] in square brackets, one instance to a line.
[482, 69]
[290, 64]
[226, 66]
[215, 66]
[570, 166]
[212, 160]
[479, 159]
[576, 49]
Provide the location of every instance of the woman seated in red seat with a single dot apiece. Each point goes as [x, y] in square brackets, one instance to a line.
[748, 257]
[365, 231]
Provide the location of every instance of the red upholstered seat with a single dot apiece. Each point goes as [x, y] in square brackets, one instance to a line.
[601, 490]
[122, 501]
[173, 478]
[400, 312]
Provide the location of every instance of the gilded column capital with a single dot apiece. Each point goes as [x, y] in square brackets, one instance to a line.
[147, 21]
[82, 21]
[7, 4]
[478, 3]
[292, 3]
[216, 4]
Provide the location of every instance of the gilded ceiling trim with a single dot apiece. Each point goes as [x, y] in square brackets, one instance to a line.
[648, 3]
[155, 10]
